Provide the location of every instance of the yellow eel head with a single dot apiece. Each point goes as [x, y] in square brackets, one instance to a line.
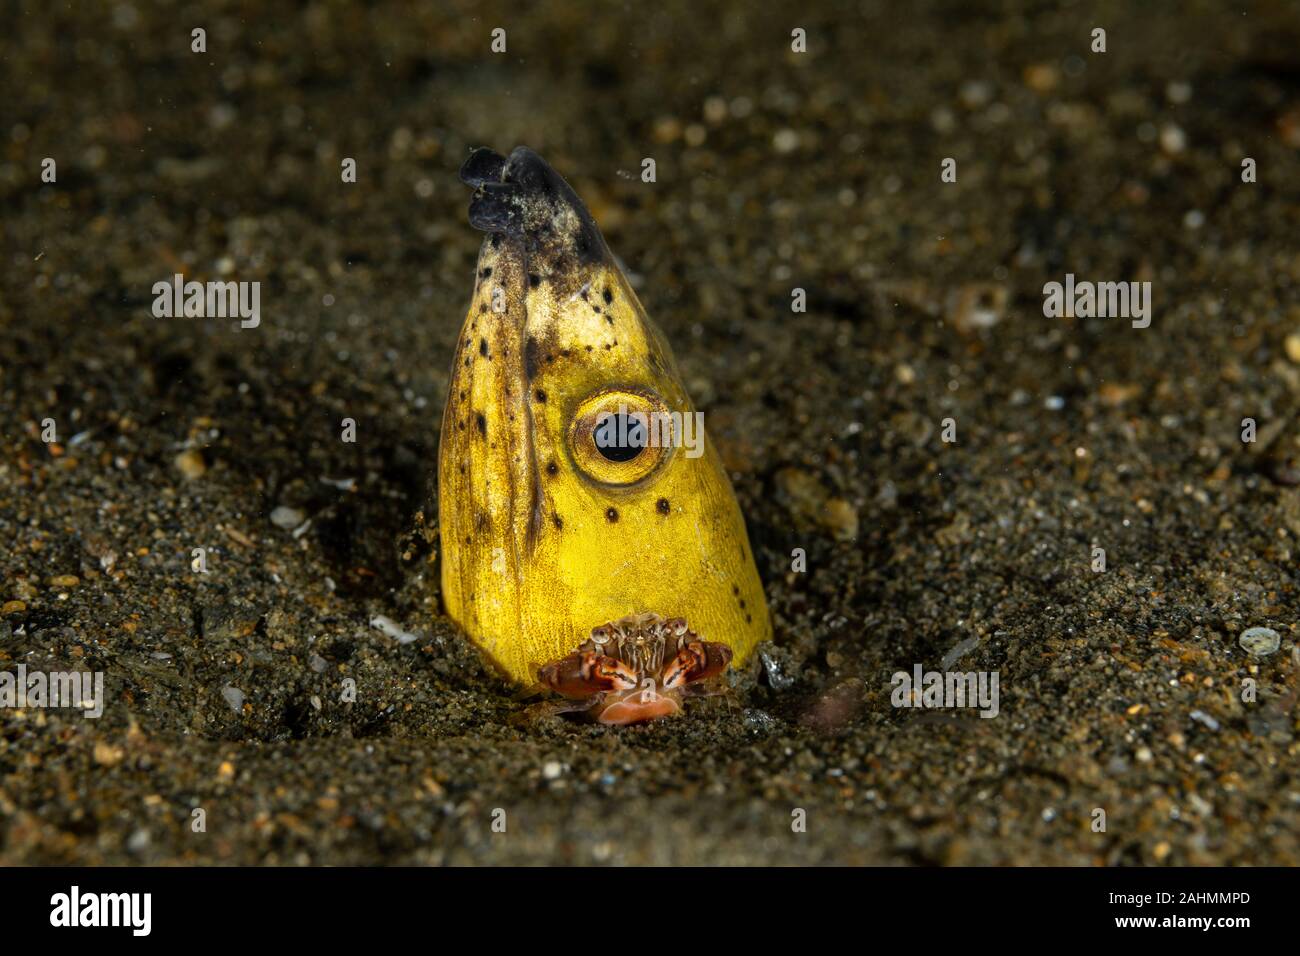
[574, 484]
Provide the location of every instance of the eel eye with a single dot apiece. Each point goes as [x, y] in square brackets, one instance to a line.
[618, 437]
[627, 436]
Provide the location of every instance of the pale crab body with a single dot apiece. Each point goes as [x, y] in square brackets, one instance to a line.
[635, 669]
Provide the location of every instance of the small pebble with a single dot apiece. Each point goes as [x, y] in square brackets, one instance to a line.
[64, 581]
[286, 518]
[840, 518]
[234, 697]
[758, 721]
[1041, 77]
[190, 464]
[1293, 347]
[552, 769]
[976, 306]
[1201, 717]
[108, 755]
[785, 141]
[667, 129]
[1202, 806]
[975, 93]
[1172, 139]
[1260, 641]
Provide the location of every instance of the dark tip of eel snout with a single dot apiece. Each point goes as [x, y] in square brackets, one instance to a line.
[483, 166]
[523, 196]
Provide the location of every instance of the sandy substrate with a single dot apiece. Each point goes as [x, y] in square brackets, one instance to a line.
[1120, 691]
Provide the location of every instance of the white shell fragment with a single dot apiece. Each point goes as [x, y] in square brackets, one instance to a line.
[1260, 641]
[390, 627]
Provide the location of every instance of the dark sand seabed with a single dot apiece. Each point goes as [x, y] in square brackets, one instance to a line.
[1120, 690]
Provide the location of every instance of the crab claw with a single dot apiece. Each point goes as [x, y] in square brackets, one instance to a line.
[696, 660]
[586, 673]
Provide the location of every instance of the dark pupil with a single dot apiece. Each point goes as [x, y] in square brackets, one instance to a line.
[628, 438]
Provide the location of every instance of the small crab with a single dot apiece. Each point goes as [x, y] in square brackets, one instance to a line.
[634, 669]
